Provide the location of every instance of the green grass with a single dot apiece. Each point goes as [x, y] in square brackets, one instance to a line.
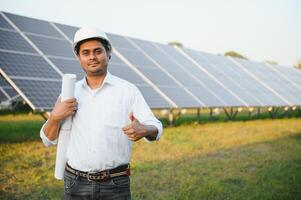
[19, 128]
[258, 159]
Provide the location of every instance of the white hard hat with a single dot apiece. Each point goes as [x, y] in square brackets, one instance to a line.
[90, 32]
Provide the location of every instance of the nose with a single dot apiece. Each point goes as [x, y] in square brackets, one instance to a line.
[92, 56]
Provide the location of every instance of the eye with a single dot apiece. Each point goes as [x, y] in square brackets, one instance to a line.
[98, 51]
[85, 53]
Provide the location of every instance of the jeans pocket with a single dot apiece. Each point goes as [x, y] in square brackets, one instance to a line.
[121, 181]
[69, 180]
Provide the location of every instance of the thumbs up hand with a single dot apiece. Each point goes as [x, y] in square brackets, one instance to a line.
[135, 130]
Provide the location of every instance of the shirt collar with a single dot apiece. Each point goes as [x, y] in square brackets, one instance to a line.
[109, 79]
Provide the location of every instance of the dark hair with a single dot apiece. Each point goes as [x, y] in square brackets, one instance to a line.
[105, 43]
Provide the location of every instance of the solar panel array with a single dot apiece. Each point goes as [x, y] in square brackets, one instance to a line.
[35, 53]
[7, 93]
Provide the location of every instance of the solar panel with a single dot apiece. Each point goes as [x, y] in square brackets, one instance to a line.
[52, 46]
[36, 26]
[6, 91]
[264, 95]
[270, 80]
[290, 84]
[69, 31]
[69, 66]
[3, 96]
[33, 71]
[4, 24]
[23, 65]
[42, 94]
[170, 87]
[192, 83]
[290, 73]
[120, 69]
[11, 92]
[213, 87]
[220, 68]
[34, 53]
[11, 40]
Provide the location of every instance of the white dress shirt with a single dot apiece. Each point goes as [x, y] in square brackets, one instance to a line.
[97, 141]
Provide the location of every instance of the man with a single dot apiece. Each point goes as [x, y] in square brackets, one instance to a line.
[108, 114]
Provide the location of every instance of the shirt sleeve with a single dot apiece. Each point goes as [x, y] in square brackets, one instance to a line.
[143, 113]
[45, 139]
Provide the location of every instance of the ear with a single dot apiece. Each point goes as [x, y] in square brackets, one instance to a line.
[77, 56]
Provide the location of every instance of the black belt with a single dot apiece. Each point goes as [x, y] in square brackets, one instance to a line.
[123, 170]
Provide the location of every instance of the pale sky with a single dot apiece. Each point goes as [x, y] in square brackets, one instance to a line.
[258, 29]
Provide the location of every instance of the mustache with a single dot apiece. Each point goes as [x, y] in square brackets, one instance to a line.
[93, 62]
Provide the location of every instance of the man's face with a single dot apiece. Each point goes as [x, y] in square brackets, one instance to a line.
[93, 58]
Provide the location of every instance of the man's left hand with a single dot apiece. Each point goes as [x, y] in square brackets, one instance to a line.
[135, 131]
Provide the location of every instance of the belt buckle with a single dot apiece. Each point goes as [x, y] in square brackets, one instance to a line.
[89, 174]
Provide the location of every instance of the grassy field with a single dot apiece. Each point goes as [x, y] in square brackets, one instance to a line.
[258, 159]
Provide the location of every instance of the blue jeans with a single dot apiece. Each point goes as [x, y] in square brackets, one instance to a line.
[117, 188]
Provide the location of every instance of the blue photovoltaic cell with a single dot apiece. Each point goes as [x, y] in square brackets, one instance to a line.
[284, 85]
[3, 83]
[291, 73]
[189, 80]
[136, 58]
[223, 95]
[69, 31]
[269, 78]
[118, 68]
[31, 25]
[10, 40]
[124, 72]
[11, 92]
[6, 91]
[173, 90]
[53, 47]
[294, 75]
[3, 97]
[153, 99]
[119, 41]
[252, 86]
[42, 94]
[14, 64]
[68, 66]
[222, 70]
[4, 23]
[116, 60]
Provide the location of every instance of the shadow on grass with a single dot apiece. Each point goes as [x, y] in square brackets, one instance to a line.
[268, 170]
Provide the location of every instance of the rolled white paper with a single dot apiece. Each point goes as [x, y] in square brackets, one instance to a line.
[68, 86]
